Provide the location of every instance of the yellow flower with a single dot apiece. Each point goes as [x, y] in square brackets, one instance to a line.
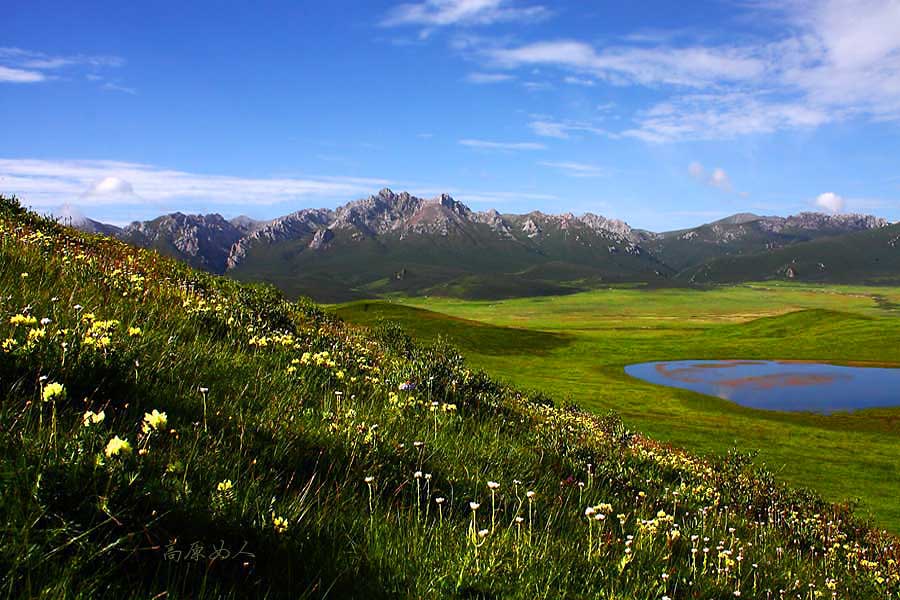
[92, 418]
[154, 421]
[9, 344]
[225, 486]
[52, 391]
[117, 446]
[134, 332]
[22, 320]
[279, 523]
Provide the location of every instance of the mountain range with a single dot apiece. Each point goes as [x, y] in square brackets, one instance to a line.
[390, 242]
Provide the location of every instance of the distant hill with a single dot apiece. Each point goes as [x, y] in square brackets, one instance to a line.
[870, 256]
[394, 242]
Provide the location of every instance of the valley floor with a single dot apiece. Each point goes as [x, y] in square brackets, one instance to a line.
[576, 347]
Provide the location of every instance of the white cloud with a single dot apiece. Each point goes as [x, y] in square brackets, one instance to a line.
[489, 145]
[48, 183]
[694, 67]
[830, 202]
[583, 81]
[823, 61]
[111, 186]
[718, 178]
[548, 127]
[441, 13]
[114, 87]
[11, 75]
[26, 66]
[717, 116]
[697, 171]
[489, 77]
[576, 169]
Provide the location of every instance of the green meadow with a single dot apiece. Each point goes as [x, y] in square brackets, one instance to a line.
[575, 348]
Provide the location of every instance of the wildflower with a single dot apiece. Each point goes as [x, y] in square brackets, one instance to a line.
[493, 485]
[369, 479]
[439, 500]
[224, 486]
[530, 494]
[154, 421]
[22, 320]
[418, 474]
[92, 418]
[117, 446]
[482, 533]
[474, 506]
[134, 332]
[45, 321]
[279, 523]
[52, 391]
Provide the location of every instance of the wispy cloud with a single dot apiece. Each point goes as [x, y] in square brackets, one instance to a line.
[115, 87]
[823, 62]
[11, 75]
[582, 81]
[692, 67]
[563, 130]
[505, 146]
[87, 183]
[442, 13]
[576, 169]
[482, 78]
[18, 65]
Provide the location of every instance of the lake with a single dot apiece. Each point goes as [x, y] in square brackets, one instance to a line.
[779, 385]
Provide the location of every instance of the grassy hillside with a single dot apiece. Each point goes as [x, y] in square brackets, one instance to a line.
[843, 456]
[171, 434]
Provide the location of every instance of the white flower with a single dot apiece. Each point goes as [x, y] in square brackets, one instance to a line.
[483, 533]
[439, 500]
[418, 474]
[529, 494]
[474, 505]
[493, 485]
[369, 479]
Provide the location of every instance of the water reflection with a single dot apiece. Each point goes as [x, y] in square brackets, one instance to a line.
[777, 385]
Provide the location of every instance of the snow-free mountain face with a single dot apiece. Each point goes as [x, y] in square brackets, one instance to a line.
[396, 242]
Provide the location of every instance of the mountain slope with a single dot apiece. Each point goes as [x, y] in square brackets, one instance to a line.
[750, 234]
[871, 256]
[179, 435]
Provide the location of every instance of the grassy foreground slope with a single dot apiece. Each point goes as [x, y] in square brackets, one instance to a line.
[596, 334]
[169, 434]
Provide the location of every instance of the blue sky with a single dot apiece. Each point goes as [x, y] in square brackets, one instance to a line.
[660, 113]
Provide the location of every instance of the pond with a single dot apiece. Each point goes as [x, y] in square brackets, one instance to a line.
[779, 385]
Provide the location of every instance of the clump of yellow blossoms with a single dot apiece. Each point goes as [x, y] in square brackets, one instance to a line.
[92, 418]
[279, 523]
[117, 446]
[154, 421]
[53, 391]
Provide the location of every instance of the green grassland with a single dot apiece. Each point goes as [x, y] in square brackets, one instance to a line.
[576, 347]
[165, 433]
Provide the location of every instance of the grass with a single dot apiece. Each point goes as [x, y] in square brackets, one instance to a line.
[170, 434]
[843, 456]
